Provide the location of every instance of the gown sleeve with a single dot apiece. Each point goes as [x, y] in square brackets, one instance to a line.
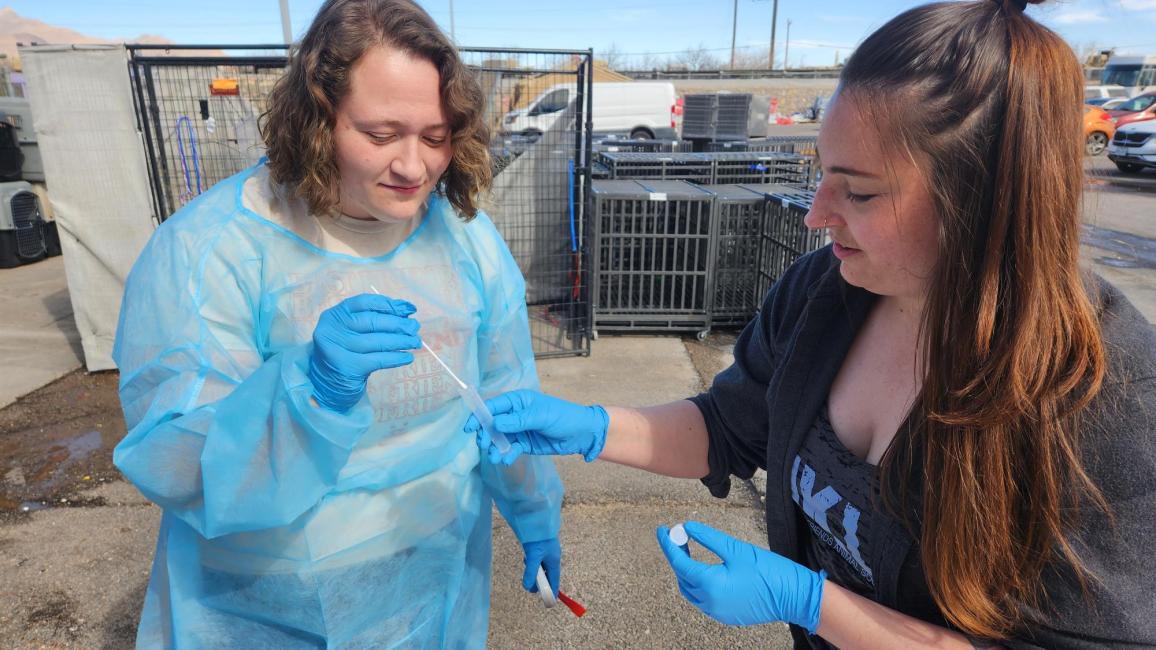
[219, 434]
[528, 493]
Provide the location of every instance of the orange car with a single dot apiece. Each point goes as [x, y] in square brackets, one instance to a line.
[1098, 130]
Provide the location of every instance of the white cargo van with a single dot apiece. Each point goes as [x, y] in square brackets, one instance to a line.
[640, 109]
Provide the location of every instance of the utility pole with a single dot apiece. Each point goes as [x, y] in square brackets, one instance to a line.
[286, 26]
[774, 23]
[787, 49]
[734, 30]
[452, 36]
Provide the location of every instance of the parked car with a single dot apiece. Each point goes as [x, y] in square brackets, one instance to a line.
[1137, 109]
[1106, 103]
[640, 109]
[1104, 93]
[1098, 130]
[1134, 146]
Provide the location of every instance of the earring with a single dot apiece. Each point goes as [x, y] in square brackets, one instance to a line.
[825, 220]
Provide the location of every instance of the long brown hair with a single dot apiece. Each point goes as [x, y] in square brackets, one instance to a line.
[988, 101]
[298, 125]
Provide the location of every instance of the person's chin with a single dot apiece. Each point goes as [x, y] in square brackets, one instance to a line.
[850, 276]
[396, 212]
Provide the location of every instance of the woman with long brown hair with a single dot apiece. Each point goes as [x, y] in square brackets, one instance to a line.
[956, 420]
[283, 404]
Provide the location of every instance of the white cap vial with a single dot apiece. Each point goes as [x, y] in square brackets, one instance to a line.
[680, 538]
[545, 591]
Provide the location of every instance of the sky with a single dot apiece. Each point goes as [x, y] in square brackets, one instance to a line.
[819, 31]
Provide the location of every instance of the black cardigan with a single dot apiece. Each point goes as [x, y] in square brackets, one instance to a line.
[759, 410]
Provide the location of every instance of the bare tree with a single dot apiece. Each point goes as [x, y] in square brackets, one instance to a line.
[652, 62]
[751, 59]
[613, 57]
[698, 58]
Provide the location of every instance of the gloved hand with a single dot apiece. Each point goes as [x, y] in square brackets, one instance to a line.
[547, 554]
[751, 586]
[539, 424]
[358, 336]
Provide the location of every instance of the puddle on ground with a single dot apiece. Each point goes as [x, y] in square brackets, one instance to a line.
[1131, 251]
[56, 444]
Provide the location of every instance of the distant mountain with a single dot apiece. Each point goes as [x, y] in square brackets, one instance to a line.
[15, 28]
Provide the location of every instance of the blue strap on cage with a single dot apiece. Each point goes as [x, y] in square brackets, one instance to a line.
[188, 193]
[573, 232]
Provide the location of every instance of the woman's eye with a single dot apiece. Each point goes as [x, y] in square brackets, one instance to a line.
[860, 198]
[379, 138]
[435, 142]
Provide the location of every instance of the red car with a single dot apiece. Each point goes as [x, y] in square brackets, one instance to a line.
[1137, 109]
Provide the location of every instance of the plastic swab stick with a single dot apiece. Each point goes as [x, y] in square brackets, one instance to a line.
[475, 404]
[471, 398]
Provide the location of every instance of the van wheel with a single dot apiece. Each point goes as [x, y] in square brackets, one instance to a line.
[1129, 168]
[641, 134]
[1096, 143]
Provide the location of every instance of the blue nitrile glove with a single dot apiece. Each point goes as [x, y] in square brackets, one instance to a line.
[539, 424]
[751, 586]
[358, 336]
[547, 554]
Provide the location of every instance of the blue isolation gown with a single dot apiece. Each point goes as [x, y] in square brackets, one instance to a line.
[289, 526]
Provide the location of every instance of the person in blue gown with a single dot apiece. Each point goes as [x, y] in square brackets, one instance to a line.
[305, 447]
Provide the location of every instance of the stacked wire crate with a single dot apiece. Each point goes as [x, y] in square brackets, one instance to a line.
[675, 256]
[739, 214]
[653, 256]
[688, 241]
[668, 166]
[805, 173]
[784, 238]
[709, 168]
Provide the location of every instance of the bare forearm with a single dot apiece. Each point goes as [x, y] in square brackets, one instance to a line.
[848, 620]
[670, 439]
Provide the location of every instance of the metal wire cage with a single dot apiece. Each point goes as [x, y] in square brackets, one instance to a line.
[739, 213]
[682, 166]
[653, 258]
[785, 237]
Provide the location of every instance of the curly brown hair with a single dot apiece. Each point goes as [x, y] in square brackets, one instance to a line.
[298, 125]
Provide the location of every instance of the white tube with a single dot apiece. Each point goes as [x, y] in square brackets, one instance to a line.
[545, 591]
[478, 408]
[678, 535]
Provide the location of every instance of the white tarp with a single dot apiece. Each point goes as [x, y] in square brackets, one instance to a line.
[94, 162]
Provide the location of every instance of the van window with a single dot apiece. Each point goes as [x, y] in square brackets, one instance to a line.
[554, 102]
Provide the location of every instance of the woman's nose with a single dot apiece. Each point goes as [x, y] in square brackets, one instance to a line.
[819, 216]
[408, 163]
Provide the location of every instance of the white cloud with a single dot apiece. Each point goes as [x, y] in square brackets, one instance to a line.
[1138, 5]
[1079, 17]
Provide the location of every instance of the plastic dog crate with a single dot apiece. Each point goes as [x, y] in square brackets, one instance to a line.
[21, 225]
[784, 237]
[653, 256]
[693, 167]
